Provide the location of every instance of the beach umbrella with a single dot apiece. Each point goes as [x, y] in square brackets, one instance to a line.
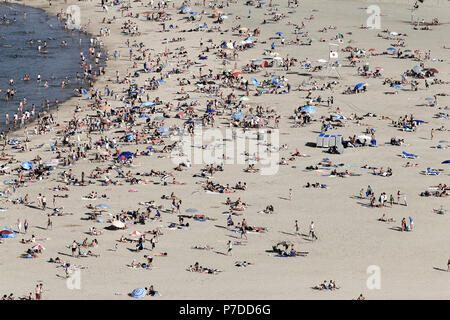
[429, 99]
[162, 129]
[103, 206]
[397, 86]
[38, 247]
[191, 210]
[185, 9]
[407, 50]
[371, 50]
[446, 161]
[279, 33]
[254, 81]
[147, 104]
[391, 49]
[393, 33]
[238, 115]
[364, 137]
[26, 165]
[417, 69]
[322, 60]
[308, 109]
[379, 68]
[138, 293]
[136, 233]
[237, 74]
[244, 29]
[244, 98]
[210, 111]
[354, 59]
[359, 85]
[7, 233]
[218, 11]
[433, 70]
[224, 17]
[118, 224]
[125, 155]
[193, 12]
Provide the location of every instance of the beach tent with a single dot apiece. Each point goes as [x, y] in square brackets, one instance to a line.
[138, 293]
[26, 165]
[7, 233]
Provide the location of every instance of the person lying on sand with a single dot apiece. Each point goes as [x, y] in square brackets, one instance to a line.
[384, 219]
[243, 263]
[200, 247]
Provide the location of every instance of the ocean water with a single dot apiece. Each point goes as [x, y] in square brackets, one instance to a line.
[19, 57]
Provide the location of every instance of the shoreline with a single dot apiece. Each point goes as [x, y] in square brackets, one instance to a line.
[62, 115]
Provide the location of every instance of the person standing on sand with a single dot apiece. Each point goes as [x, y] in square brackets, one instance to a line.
[74, 247]
[25, 225]
[432, 134]
[49, 223]
[290, 194]
[37, 292]
[311, 231]
[411, 223]
[19, 225]
[230, 247]
[297, 229]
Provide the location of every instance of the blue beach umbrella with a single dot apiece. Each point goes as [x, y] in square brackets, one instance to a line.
[359, 85]
[238, 115]
[446, 161]
[279, 33]
[397, 86]
[138, 293]
[391, 49]
[429, 99]
[103, 206]
[254, 81]
[191, 210]
[162, 129]
[309, 109]
[27, 165]
[147, 104]
[210, 111]
[125, 155]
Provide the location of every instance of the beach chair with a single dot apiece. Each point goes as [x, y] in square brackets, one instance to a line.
[326, 141]
[429, 172]
[319, 143]
[409, 155]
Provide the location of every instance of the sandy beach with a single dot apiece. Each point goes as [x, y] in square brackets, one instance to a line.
[350, 237]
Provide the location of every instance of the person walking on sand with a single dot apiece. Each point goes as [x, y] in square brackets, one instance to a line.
[411, 223]
[44, 202]
[37, 292]
[74, 247]
[448, 265]
[403, 224]
[19, 225]
[290, 194]
[49, 223]
[230, 248]
[25, 225]
[297, 229]
[432, 134]
[311, 231]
